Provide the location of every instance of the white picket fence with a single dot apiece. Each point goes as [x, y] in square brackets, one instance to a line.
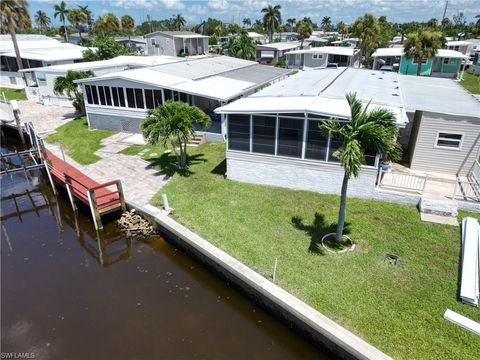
[401, 181]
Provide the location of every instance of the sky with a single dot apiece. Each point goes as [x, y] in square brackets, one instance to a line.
[229, 11]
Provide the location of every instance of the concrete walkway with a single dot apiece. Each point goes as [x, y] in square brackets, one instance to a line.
[140, 181]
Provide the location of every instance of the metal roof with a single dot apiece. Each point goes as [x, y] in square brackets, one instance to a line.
[179, 34]
[280, 45]
[335, 50]
[398, 51]
[257, 74]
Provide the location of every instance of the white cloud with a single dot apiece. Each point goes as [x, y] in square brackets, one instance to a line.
[218, 4]
[173, 4]
[149, 4]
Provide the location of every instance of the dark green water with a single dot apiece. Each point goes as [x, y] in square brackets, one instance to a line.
[67, 293]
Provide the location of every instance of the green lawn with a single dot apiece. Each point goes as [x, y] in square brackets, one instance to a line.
[399, 309]
[471, 83]
[12, 94]
[80, 141]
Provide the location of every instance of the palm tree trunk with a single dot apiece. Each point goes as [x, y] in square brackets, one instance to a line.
[419, 67]
[341, 211]
[65, 30]
[80, 35]
[11, 30]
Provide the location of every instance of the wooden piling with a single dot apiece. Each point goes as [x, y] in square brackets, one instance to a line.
[69, 191]
[94, 209]
[121, 195]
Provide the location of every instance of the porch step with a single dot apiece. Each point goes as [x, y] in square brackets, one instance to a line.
[197, 140]
[441, 211]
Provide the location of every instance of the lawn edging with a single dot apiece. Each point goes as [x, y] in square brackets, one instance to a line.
[291, 310]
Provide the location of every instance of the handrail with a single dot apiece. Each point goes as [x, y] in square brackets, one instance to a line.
[108, 183]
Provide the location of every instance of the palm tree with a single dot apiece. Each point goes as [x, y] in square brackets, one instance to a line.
[179, 22]
[367, 130]
[423, 45]
[230, 47]
[367, 30]
[88, 12]
[173, 123]
[77, 17]
[342, 29]
[107, 24]
[304, 30]
[66, 85]
[291, 22]
[61, 11]
[272, 19]
[245, 48]
[15, 16]
[247, 21]
[326, 23]
[42, 20]
[128, 24]
[432, 24]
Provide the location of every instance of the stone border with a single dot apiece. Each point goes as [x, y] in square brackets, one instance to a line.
[301, 317]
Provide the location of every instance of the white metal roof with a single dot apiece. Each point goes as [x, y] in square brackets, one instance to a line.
[253, 34]
[216, 87]
[51, 54]
[335, 50]
[124, 60]
[458, 43]
[398, 51]
[280, 45]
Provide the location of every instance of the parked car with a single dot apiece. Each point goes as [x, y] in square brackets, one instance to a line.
[388, 68]
[332, 66]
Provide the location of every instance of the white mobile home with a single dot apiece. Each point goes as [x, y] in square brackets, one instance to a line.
[322, 56]
[119, 101]
[275, 52]
[40, 88]
[273, 136]
[175, 43]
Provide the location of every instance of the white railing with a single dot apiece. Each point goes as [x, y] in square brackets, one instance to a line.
[401, 181]
[474, 174]
[467, 191]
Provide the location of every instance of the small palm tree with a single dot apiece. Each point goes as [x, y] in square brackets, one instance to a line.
[87, 11]
[342, 29]
[61, 11]
[15, 16]
[245, 48]
[173, 122]
[291, 22]
[107, 24]
[65, 85]
[128, 24]
[230, 47]
[247, 22]
[423, 45]
[179, 22]
[367, 129]
[42, 20]
[304, 30]
[77, 18]
[272, 19]
[326, 23]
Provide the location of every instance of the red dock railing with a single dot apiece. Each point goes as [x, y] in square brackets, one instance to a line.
[101, 198]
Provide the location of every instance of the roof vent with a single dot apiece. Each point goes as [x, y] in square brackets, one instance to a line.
[395, 95]
[380, 78]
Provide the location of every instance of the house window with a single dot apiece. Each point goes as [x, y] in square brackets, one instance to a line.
[130, 98]
[157, 96]
[449, 140]
[449, 61]
[290, 137]
[317, 56]
[152, 41]
[115, 96]
[88, 93]
[101, 93]
[139, 98]
[239, 132]
[168, 94]
[264, 134]
[149, 99]
[424, 61]
[121, 96]
[334, 145]
[108, 96]
[94, 94]
[41, 76]
[317, 142]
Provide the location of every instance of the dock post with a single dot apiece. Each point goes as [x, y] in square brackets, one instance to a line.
[69, 191]
[52, 184]
[16, 115]
[92, 200]
[121, 195]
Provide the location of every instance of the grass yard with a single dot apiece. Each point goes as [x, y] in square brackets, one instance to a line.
[13, 94]
[80, 141]
[471, 83]
[398, 309]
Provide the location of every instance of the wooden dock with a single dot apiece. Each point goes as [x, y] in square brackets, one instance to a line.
[100, 198]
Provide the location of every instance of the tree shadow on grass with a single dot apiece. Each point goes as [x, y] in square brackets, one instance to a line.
[317, 230]
[221, 168]
[167, 164]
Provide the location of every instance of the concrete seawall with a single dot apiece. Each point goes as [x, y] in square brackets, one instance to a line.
[298, 315]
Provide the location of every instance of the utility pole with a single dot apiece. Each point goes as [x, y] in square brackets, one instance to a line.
[444, 12]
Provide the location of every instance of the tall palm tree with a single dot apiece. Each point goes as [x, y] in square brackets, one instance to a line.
[77, 18]
[89, 13]
[367, 129]
[423, 45]
[173, 123]
[272, 19]
[247, 22]
[179, 22]
[342, 29]
[107, 24]
[15, 16]
[367, 30]
[61, 11]
[128, 24]
[42, 20]
[304, 30]
[291, 22]
[326, 23]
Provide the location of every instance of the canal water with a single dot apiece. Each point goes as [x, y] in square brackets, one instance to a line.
[70, 293]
